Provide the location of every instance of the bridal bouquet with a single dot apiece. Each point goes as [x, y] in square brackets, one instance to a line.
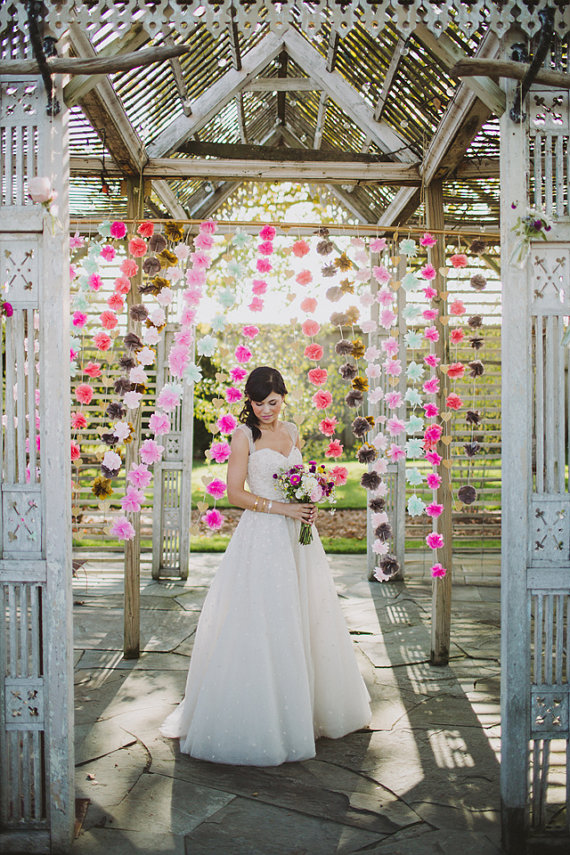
[306, 483]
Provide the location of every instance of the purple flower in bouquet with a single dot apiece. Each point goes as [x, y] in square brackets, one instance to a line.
[306, 483]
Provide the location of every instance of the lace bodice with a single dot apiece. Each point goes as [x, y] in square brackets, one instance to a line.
[264, 462]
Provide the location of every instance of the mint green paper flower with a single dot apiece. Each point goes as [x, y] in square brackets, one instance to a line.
[413, 397]
[413, 339]
[410, 283]
[74, 343]
[192, 374]
[414, 476]
[218, 323]
[414, 449]
[408, 247]
[80, 302]
[415, 506]
[235, 269]
[226, 297]
[94, 250]
[73, 368]
[240, 239]
[207, 345]
[90, 265]
[104, 229]
[414, 372]
[411, 312]
[414, 424]
[83, 283]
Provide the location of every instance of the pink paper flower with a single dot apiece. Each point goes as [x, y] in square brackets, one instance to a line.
[129, 267]
[438, 570]
[137, 247]
[314, 352]
[432, 360]
[75, 451]
[459, 260]
[395, 426]
[95, 282]
[339, 474]
[267, 233]
[78, 421]
[457, 308]
[79, 319]
[300, 248]
[178, 359]
[434, 540]
[132, 500]
[107, 252]
[427, 240]
[431, 386]
[310, 327]
[220, 451]
[378, 244]
[393, 399]
[327, 426]
[146, 229]
[256, 304]
[395, 452]
[381, 273]
[457, 335]
[433, 480]
[386, 318]
[265, 248]
[139, 476]
[393, 367]
[237, 373]
[429, 292]
[322, 399]
[203, 241]
[431, 334]
[454, 402]
[188, 317]
[317, 376]
[108, 320]
[227, 423]
[431, 410]
[428, 272]
[118, 229]
[434, 510]
[168, 399]
[308, 305]
[233, 394]
[184, 336]
[84, 393]
[216, 488]
[209, 227]
[132, 399]
[122, 285]
[116, 303]
[433, 433]
[201, 259]
[259, 286]
[213, 519]
[192, 296]
[456, 370]
[430, 314]
[195, 276]
[159, 424]
[122, 529]
[250, 331]
[434, 458]
[334, 449]
[263, 265]
[304, 277]
[390, 346]
[150, 451]
[76, 241]
[93, 369]
[242, 354]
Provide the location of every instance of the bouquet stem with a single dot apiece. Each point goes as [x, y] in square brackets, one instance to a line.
[306, 534]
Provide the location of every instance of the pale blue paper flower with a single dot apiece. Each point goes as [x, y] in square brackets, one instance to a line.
[234, 269]
[83, 283]
[218, 323]
[73, 368]
[410, 283]
[414, 372]
[414, 424]
[413, 339]
[207, 345]
[74, 343]
[411, 312]
[413, 397]
[94, 249]
[414, 448]
[240, 239]
[80, 302]
[414, 476]
[90, 265]
[192, 374]
[408, 247]
[104, 229]
[415, 506]
[226, 297]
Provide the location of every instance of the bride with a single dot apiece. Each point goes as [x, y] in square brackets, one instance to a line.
[272, 667]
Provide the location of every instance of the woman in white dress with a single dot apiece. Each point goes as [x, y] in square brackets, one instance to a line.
[273, 666]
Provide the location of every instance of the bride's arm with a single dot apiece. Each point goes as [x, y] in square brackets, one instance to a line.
[242, 498]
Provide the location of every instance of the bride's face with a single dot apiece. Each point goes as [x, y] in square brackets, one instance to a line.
[267, 411]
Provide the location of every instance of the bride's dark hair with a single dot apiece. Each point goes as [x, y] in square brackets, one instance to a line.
[261, 382]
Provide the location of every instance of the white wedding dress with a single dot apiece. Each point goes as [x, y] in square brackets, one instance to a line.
[273, 666]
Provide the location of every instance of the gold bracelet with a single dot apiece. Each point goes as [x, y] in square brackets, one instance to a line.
[264, 506]
[269, 506]
[255, 504]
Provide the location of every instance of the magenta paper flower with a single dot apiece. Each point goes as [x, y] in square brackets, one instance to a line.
[168, 399]
[79, 319]
[242, 354]
[129, 267]
[457, 336]
[431, 386]
[390, 346]
[84, 393]
[102, 341]
[395, 426]
[95, 282]
[434, 540]
[322, 399]
[108, 320]
[203, 241]
[431, 334]
[107, 252]
[233, 394]
[118, 229]
[427, 240]
[317, 376]
[429, 292]
[457, 308]
[227, 423]
[438, 570]
[216, 488]
[137, 247]
[75, 451]
[430, 314]
[433, 480]
[431, 410]
[132, 500]
[259, 287]
[76, 241]
[432, 360]
[78, 421]
[139, 476]
[433, 433]
[265, 248]
[334, 449]
[237, 373]
[338, 474]
[300, 248]
[327, 426]
[263, 265]
[435, 459]
[159, 424]
[304, 277]
[250, 331]
[428, 272]
[308, 305]
[150, 451]
[395, 452]
[209, 227]
[267, 233]
[434, 510]
[213, 519]
[220, 451]
[256, 305]
[122, 529]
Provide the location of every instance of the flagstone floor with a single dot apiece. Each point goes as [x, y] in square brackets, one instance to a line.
[424, 778]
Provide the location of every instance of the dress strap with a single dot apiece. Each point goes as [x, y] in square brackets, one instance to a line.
[292, 431]
[247, 430]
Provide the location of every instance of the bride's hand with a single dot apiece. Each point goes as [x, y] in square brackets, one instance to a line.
[304, 512]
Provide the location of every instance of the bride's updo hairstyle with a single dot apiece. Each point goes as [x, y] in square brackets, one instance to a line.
[261, 382]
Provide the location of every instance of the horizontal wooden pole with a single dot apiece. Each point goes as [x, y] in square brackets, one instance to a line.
[96, 65]
[474, 167]
[282, 84]
[258, 170]
[243, 151]
[495, 68]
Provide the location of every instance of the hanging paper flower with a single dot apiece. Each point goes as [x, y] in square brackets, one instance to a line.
[433, 434]
[263, 265]
[122, 431]
[322, 399]
[434, 510]
[95, 282]
[457, 335]
[118, 230]
[256, 305]
[378, 244]
[129, 267]
[431, 334]
[414, 476]
[314, 352]
[304, 277]
[467, 494]
[408, 247]
[108, 252]
[78, 421]
[459, 260]
[146, 229]
[207, 345]
[233, 394]
[169, 397]
[108, 320]
[373, 370]
[433, 480]
[146, 356]
[79, 319]
[431, 386]
[308, 305]
[434, 540]
[456, 370]
[216, 488]
[159, 424]
[413, 397]
[250, 331]
[414, 372]
[393, 367]
[416, 506]
[327, 426]
[192, 373]
[116, 303]
[203, 241]
[390, 346]
[438, 571]
[430, 314]
[267, 233]
[209, 226]
[102, 341]
[84, 393]
[201, 259]
[220, 451]
[338, 474]
[122, 529]
[132, 400]
[227, 423]
[414, 424]
[150, 451]
[122, 285]
[242, 354]
[300, 248]
[435, 459]
[111, 461]
[432, 360]
[429, 292]
[428, 240]
[310, 327]
[317, 376]
[259, 286]
[137, 247]
[381, 273]
[334, 449]
[139, 476]
[265, 248]
[457, 308]
[454, 402]
[213, 519]
[132, 500]
[75, 451]
[101, 487]
[93, 369]
[177, 359]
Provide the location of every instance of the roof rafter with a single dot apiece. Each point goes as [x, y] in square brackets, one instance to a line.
[169, 199]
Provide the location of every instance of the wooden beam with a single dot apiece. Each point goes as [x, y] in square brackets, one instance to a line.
[233, 33]
[179, 81]
[97, 64]
[346, 96]
[321, 117]
[241, 118]
[332, 50]
[391, 72]
[496, 68]
[281, 96]
[475, 167]
[169, 200]
[107, 116]
[401, 208]
[235, 151]
[260, 170]
[209, 205]
[217, 96]
[281, 84]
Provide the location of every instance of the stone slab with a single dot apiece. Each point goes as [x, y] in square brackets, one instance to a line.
[113, 841]
[103, 629]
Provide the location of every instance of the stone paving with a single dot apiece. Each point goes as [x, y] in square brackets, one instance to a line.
[423, 778]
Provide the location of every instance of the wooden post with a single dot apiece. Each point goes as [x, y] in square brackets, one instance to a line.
[441, 587]
[132, 565]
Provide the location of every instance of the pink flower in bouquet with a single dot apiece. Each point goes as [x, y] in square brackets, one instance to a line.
[75, 451]
[431, 386]
[227, 423]
[107, 252]
[220, 451]
[317, 376]
[432, 360]
[216, 488]
[259, 286]
[304, 277]
[95, 282]
[431, 410]
[203, 241]
[263, 265]
[322, 399]
[265, 248]
[233, 394]
[122, 285]
[250, 331]
[146, 229]
[84, 393]
[93, 369]
[237, 373]
[308, 305]
[256, 304]
[213, 519]
[438, 570]
[150, 451]
[310, 327]
[129, 267]
[118, 229]
[168, 399]
[79, 319]
[457, 308]
[78, 421]
[242, 354]
[122, 529]
[433, 480]
[267, 233]
[116, 303]
[434, 458]
[434, 510]
[428, 240]
[314, 352]
[108, 320]
[457, 335]
[137, 247]
[454, 402]
[431, 334]
[428, 272]
[459, 260]
[159, 424]
[132, 500]
[327, 426]
[209, 227]
[139, 476]
[300, 248]
[434, 540]
[334, 449]
[339, 474]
